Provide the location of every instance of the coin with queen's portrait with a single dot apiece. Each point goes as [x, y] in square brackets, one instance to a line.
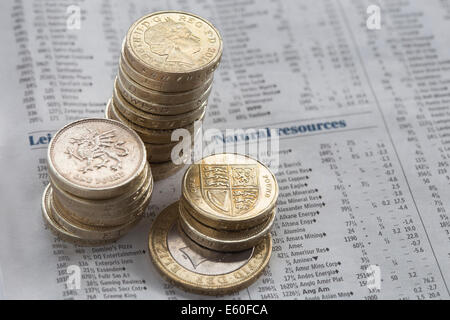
[173, 43]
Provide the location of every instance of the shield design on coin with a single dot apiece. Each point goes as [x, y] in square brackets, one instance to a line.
[230, 189]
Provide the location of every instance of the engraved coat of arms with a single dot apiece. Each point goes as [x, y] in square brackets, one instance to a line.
[230, 189]
[96, 150]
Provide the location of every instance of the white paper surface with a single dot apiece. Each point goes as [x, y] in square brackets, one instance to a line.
[363, 116]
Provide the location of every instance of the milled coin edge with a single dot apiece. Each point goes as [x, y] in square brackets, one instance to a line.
[212, 242]
[160, 228]
[211, 65]
[225, 222]
[59, 231]
[89, 192]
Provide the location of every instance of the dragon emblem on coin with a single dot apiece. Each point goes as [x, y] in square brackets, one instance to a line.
[231, 189]
[174, 41]
[96, 149]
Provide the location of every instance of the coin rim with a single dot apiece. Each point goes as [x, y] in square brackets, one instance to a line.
[154, 121]
[89, 192]
[144, 189]
[168, 85]
[155, 134]
[163, 153]
[99, 202]
[213, 242]
[158, 176]
[153, 107]
[211, 65]
[159, 97]
[224, 222]
[162, 226]
[59, 231]
[93, 232]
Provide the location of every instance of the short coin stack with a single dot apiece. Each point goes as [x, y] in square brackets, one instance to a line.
[100, 182]
[164, 81]
[219, 232]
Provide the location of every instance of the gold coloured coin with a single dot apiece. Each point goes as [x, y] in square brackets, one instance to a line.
[58, 230]
[104, 213]
[90, 232]
[108, 113]
[174, 47]
[229, 191]
[161, 97]
[158, 153]
[161, 109]
[154, 121]
[164, 170]
[202, 251]
[217, 273]
[147, 135]
[163, 85]
[223, 240]
[96, 158]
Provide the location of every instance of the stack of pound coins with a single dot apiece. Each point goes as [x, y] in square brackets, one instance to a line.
[216, 240]
[100, 182]
[164, 81]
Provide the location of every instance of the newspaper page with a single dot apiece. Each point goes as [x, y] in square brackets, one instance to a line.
[357, 92]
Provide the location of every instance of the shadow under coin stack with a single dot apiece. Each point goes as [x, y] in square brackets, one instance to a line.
[165, 77]
[216, 240]
[100, 182]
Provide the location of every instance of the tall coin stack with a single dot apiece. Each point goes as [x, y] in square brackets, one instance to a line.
[165, 77]
[100, 182]
[216, 239]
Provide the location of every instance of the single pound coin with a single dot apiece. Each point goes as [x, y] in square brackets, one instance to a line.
[96, 158]
[229, 191]
[178, 48]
